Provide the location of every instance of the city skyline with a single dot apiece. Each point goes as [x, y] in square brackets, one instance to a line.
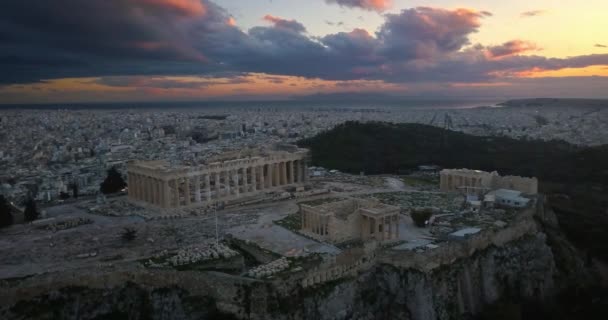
[166, 50]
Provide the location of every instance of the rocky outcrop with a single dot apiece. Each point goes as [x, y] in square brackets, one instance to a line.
[523, 270]
[515, 262]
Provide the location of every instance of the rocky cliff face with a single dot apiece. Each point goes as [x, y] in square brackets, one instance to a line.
[522, 269]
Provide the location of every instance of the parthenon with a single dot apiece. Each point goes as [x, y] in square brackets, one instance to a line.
[159, 184]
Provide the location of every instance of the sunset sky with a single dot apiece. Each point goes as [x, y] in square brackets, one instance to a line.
[169, 50]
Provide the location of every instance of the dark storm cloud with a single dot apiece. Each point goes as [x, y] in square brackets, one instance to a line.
[75, 38]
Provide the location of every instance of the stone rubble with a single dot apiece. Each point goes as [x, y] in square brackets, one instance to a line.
[195, 254]
[67, 224]
[269, 269]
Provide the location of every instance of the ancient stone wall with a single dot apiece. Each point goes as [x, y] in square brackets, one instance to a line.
[449, 252]
[345, 230]
[523, 184]
[475, 181]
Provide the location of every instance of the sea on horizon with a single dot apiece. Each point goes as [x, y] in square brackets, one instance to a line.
[283, 104]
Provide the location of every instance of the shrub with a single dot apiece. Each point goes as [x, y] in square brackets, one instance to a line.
[421, 216]
[129, 234]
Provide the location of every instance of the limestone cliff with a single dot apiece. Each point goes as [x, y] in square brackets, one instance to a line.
[522, 268]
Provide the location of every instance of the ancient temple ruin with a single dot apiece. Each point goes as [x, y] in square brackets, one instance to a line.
[350, 219]
[480, 182]
[223, 179]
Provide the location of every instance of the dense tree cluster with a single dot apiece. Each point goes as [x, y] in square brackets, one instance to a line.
[113, 182]
[31, 211]
[6, 217]
[388, 148]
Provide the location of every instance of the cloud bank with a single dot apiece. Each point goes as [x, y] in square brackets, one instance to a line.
[96, 38]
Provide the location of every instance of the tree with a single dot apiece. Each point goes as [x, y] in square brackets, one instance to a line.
[421, 216]
[6, 218]
[113, 182]
[31, 212]
[129, 234]
[74, 187]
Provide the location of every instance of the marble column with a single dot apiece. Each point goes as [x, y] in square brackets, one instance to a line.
[397, 226]
[132, 186]
[254, 179]
[275, 174]
[304, 171]
[150, 185]
[235, 178]
[176, 195]
[292, 180]
[166, 194]
[269, 176]
[207, 187]
[152, 188]
[217, 185]
[141, 192]
[146, 186]
[197, 189]
[157, 193]
[261, 175]
[187, 191]
[226, 179]
[297, 174]
[279, 174]
[245, 182]
[284, 173]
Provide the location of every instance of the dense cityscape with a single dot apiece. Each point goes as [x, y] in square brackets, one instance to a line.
[77, 147]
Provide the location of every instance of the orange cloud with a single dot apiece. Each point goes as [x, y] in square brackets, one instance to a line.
[377, 5]
[478, 84]
[143, 88]
[510, 48]
[598, 70]
[284, 23]
[231, 22]
[272, 19]
[188, 7]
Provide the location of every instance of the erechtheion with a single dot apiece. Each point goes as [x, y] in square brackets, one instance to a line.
[350, 219]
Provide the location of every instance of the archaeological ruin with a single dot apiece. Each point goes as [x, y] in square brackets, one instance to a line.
[222, 179]
[480, 182]
[350, 219]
